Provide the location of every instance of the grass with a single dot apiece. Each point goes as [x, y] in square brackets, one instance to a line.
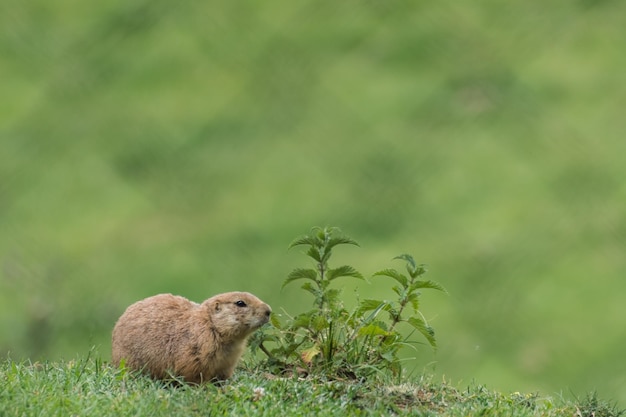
[90, 387]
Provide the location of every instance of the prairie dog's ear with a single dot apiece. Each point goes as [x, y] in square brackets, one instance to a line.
[217, 306]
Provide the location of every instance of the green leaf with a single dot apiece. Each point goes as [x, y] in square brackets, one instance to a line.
[332, 297]
[305, 240]
[324, 234]
[343, 271]
[315, 253]
[292, 347]
[392, 273]
[319, 323]
[413, 298]
[275, 321]
[389, 356]
[421, 270]
[368, 305]
[394, 313]
[303, 320]
[340, 240]
[421, 326]
[427, 284]
[307, 286]
[373, 330]
[409, 260]
[398, 291]
[301, 273]
[271, 338]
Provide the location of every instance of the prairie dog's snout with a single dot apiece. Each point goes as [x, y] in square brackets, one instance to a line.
[264, 316]
[247, 310]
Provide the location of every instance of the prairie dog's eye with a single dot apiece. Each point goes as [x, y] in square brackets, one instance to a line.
[240, 303]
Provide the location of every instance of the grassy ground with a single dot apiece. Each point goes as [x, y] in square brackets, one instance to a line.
[91, 388]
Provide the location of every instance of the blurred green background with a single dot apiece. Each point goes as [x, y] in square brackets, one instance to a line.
[157, 146]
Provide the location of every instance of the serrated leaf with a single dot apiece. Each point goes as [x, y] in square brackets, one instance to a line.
[302, 320]
[304, 240]
[301, 273]
[422, 327]
[409, 260]
[368, 305]
[319, 323]
[413, 298]
[392, 273]
[340, 240]
[398, 291]
[316, 253]
[427, 284]
[343, 271]
[309, 354]
[420, 270]
[323, 234]
[332, 296]
[307, 286]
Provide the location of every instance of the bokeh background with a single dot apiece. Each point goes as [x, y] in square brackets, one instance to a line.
[158, 146]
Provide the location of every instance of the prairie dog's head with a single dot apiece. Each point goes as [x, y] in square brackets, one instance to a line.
[237, 313]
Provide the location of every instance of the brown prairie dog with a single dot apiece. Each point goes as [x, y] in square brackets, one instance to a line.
[168, 335]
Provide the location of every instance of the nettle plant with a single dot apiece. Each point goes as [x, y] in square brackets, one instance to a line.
[331, 340]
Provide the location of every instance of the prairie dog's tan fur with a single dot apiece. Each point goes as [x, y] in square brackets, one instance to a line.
[168, 335]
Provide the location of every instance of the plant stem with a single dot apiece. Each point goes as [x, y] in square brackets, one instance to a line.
[264, 350]
[321, 284]
[396, 318]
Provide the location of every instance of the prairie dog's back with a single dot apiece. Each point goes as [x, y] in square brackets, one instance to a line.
[147, 327]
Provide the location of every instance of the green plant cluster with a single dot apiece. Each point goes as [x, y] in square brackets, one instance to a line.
[593, 406]
[333, 340]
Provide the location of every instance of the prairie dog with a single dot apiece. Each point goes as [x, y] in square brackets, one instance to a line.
[168, 335]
